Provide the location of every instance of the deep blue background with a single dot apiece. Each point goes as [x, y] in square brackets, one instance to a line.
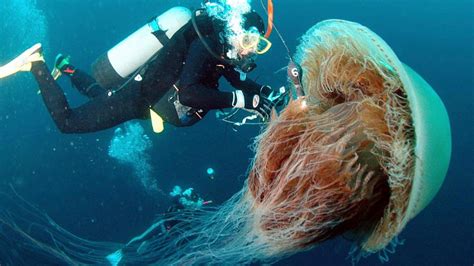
[72, 178]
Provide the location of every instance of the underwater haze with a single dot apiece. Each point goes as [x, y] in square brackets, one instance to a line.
[110, 185]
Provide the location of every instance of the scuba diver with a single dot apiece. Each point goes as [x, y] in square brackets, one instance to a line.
[168, 70]
[141, 246]
[186, 199]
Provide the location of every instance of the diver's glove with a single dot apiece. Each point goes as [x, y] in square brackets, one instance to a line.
[252, 102]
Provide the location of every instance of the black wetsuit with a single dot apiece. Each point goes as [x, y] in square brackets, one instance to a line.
[183, 62]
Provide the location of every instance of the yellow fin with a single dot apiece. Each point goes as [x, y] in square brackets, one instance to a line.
[22, 62]
[156, 122]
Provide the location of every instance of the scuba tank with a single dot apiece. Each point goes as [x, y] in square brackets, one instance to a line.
[113, 67]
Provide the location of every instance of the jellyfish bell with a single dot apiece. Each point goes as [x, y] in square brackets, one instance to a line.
[351, 74]
[432, 154]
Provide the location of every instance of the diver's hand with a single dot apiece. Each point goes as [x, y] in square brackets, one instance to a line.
[255, 103]
[258, 104]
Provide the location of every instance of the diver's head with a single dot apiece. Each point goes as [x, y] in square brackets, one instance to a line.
[253, 19]
[247, 42]
[240, 30]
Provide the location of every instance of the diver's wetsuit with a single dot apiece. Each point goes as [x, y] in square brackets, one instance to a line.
[183, 62]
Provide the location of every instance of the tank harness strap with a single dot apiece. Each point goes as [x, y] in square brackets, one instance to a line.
[162, 37]
[158, 32]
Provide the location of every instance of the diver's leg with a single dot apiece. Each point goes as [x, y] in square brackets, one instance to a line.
[82, 81]
[137, 245]
[104, 111]
[149, 233]
[86, 84]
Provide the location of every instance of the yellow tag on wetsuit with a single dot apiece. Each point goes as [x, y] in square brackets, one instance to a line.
[156, 122]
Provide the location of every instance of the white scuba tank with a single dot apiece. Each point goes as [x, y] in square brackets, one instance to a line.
[113, 67]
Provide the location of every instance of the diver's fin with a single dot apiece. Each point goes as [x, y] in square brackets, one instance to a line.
[56, 73]
[115, 258]
[23, 61]
[62, 61]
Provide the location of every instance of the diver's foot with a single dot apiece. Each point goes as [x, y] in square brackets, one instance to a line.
[62, 65]
[23, 62]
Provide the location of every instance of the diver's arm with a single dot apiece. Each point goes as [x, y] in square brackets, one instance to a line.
[194, 94]
[246, 85]
[102, 112]
[191, 90]
[254, 95]
[86, 84]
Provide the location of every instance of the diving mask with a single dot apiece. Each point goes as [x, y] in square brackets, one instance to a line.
[252, 42]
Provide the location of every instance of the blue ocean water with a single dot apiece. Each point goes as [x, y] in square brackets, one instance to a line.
[75, 181]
